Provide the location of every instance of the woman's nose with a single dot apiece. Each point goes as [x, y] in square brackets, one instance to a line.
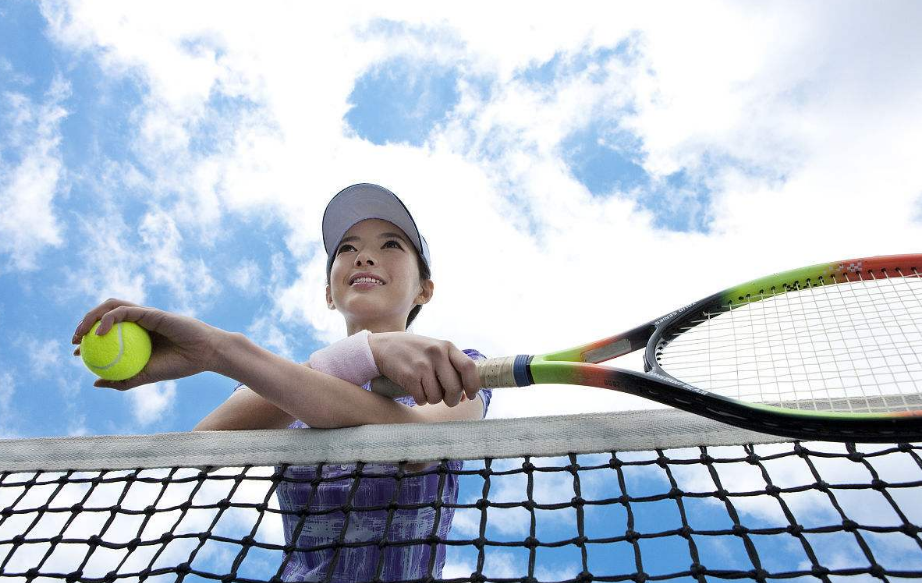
[360, 256]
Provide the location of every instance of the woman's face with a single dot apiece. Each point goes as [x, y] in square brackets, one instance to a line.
[381, 249]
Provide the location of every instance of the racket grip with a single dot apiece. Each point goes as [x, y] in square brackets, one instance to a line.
[494, 373]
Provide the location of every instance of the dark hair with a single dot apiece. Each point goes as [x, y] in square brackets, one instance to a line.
[424, 274]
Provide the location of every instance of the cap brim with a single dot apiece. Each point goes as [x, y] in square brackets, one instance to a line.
[364, 201]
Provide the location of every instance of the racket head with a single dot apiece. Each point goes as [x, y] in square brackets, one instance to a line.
[839, 342]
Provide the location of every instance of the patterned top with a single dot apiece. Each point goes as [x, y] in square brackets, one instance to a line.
[324, 520]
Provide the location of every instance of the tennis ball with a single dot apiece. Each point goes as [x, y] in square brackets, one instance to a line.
[118, 354]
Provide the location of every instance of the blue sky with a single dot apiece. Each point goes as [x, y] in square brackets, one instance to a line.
[181, 158]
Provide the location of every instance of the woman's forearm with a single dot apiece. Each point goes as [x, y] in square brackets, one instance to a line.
[317, 399]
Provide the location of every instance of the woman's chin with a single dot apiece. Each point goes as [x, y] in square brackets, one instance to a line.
[364, 311]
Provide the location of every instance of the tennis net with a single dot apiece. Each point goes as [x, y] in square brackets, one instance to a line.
[656, 495]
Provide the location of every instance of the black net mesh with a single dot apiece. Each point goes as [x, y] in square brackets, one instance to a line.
[792, 511]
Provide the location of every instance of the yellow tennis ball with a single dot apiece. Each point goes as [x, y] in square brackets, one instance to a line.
[118, 354]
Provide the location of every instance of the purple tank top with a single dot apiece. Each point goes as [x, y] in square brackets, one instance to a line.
[368, 517]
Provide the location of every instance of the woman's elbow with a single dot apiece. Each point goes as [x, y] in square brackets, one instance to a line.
[212, 422]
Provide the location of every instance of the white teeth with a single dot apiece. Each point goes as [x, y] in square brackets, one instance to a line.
[366, 280]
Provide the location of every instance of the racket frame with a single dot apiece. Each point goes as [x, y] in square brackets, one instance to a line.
[579, 365]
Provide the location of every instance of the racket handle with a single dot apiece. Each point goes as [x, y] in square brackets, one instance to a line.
[494, 373]
[387, 388]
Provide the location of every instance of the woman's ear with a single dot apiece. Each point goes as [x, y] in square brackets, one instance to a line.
[427, 288]
[330, 298]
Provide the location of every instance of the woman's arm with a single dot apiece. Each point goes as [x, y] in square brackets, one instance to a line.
[244, 410]
[318, 399]
[183, 346]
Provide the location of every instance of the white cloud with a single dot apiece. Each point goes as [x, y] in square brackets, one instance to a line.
[49, 364]
[30, 175]
[150, 403]
[43, 356]
[103, 236]
[246, 277]
[76, 426]
[12, 75]
[162, 255]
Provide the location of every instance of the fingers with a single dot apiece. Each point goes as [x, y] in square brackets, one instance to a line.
[142, 378]
[432, 388]
[440, 373]
[440, 377]
[97, 314]
[467, 369]
[416, 390]
[130, 313]
[452, 388]
[117, 385]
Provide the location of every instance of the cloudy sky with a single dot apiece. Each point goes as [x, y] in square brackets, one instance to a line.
[576, 172]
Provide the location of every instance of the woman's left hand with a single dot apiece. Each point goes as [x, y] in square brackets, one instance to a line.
[181, 346]
[430, 370]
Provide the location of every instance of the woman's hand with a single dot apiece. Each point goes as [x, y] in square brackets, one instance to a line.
[180, 346]
[430, 370]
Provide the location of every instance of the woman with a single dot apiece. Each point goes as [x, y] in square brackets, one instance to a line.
[378, 278]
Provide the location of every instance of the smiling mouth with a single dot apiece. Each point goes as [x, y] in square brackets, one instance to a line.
[366, 281]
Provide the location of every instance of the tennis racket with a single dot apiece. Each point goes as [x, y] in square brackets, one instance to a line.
[829, 352]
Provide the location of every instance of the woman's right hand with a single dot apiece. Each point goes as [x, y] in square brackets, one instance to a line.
[181, 346]
[430, 370]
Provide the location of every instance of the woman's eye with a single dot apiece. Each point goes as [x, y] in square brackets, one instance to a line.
[343, 248]
[395, 243]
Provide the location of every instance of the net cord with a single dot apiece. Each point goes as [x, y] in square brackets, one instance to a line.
[638, 430]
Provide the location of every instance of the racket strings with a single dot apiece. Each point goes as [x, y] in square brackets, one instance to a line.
[894, 365]
[854, 345]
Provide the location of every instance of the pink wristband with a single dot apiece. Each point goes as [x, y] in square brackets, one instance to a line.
[349, 359]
